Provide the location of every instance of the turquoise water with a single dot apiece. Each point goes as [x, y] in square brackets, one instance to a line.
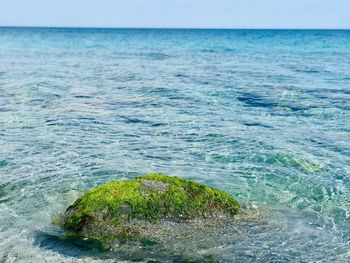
[263, 115]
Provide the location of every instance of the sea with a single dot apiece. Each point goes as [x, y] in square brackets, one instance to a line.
[261, 114]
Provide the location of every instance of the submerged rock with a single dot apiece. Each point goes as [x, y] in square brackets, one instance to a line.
[306, 165]
[151, 207]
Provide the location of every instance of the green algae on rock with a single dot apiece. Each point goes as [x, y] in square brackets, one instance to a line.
[136, 207]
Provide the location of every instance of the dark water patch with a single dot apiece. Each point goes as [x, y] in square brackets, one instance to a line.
[56, 123]
[83, 97]
[257, 124]
[129, 135]
[255, 100]
[297, 108]
[133, 120]
[308, 71]
[209, 50]
[321, 96]
[180, 75]
[158, 124]
[178, 97]
[86, 118]
[3, 163]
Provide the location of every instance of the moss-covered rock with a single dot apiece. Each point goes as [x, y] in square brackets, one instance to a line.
[136, 208]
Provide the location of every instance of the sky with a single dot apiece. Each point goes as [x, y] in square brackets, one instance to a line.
[177, 13]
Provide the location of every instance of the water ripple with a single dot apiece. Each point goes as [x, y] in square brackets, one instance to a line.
[263, 115]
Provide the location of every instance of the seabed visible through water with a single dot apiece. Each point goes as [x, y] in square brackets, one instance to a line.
[262, 115]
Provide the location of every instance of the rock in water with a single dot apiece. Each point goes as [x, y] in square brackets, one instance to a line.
[147, 208]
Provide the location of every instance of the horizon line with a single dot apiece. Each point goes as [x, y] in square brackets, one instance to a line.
[170, 28]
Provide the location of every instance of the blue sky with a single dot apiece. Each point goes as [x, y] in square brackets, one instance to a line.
[177, 13]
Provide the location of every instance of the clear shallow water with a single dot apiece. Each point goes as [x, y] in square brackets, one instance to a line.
[263, 115]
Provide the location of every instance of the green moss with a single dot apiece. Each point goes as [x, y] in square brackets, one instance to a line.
[150, 198]
[110, 197]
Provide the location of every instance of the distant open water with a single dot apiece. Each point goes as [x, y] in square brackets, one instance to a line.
[261, 114]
